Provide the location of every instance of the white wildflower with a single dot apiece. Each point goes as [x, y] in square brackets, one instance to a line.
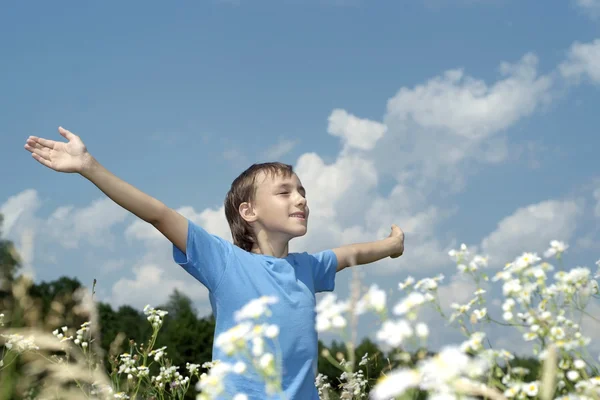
[255, 308]
[478, 315]
[329, 313]
[374, 299]
[395, 383]
[556, 248]
[239, 367]
[407, 282]
[572, 375]
[411, 301]
[422, 330]
[394, 333]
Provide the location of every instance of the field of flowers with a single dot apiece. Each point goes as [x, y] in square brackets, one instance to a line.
[545, 303]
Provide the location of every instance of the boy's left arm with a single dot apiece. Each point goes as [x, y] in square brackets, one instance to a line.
[365, 253]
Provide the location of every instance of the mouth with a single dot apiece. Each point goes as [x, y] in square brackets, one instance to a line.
[299, 215]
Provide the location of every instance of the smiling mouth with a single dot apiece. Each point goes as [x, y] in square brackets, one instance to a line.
[298, 215]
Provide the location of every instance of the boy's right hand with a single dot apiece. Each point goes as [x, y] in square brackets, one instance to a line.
[59, 156]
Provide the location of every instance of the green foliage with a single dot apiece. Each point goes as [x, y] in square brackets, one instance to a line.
[9, 263]
[190, 338]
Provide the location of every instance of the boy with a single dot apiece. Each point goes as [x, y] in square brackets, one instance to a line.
[266, 207]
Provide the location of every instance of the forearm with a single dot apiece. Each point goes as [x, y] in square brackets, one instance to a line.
[364, 253]
[127, 196]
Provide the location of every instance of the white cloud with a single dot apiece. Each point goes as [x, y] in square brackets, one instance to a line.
[532, 228]
[20, 226]
[346, 208]
[280, 149]
[583, 61]
[467, 107]
[357, 133]
[68, 225]
[213, 220]
[22, 204]
[590, 325]
[113, 265]
[597, 198]
[460, 290]
[591, 7]
[440, 130]
[338, 188]
[152, 286]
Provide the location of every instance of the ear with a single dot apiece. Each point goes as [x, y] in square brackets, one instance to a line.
[247, 212]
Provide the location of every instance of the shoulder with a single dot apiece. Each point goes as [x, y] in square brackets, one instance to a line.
[300, 258]
[322, 257]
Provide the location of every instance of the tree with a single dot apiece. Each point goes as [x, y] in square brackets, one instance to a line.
[189, 339]
[9, 263]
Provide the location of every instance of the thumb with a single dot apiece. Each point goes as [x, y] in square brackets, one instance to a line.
[65, 133]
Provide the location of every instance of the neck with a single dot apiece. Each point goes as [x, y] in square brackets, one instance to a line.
[270, 247]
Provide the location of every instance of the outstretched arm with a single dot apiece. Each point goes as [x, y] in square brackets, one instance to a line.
[73, 157]
[365, 253]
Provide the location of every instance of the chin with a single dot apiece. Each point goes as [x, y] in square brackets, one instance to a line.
[300, 232]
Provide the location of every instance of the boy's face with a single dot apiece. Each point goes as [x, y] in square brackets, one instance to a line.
[280, 206]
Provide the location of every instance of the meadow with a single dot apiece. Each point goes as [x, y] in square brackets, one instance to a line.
[53, 347]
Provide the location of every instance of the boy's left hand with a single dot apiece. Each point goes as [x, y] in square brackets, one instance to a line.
[397, 238]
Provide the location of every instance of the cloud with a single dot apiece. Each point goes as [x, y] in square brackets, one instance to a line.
[357, 133]
[113, 265]
[583, 61]
[213, 220]
[439, 130]
[152, 286]
[347, 208]
[20, 205]
[590, 7]
[531, 228]
[20, 225]
[467, 107]
[590, 324]
[280, 149]
[597, 198]
[68, 225]
[460, 290]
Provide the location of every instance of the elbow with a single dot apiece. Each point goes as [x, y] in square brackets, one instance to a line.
[352, 258]
[159, 213]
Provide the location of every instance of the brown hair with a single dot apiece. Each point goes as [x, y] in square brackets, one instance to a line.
[243, 189]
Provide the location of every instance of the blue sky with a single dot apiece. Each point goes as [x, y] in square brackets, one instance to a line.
[461, 121]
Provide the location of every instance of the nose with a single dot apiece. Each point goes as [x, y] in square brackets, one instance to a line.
[300, 200]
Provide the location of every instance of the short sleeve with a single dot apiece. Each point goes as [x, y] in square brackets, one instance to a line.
[324, 265]
[206, 256]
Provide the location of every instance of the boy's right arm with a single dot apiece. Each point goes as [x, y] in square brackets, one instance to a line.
[73, 157]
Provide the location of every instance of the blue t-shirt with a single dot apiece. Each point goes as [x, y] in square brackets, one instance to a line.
[234, 277]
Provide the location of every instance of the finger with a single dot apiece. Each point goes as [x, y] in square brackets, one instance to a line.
[65, 133]
[35, 145]
[41, 160]
[44, 142]
[40, 152]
